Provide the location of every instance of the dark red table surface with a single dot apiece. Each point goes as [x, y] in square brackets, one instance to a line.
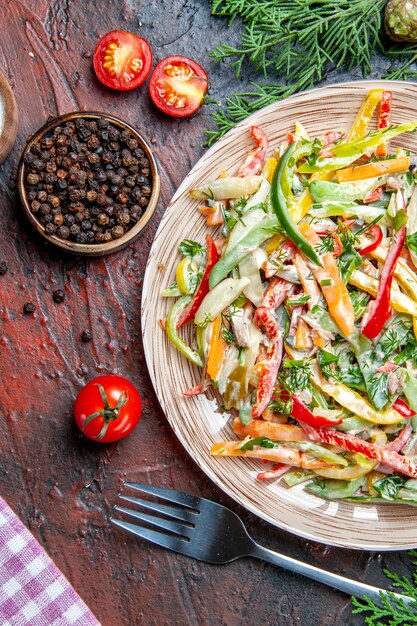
[62, 486]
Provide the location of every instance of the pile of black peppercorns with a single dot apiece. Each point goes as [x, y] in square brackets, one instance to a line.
[87, 181]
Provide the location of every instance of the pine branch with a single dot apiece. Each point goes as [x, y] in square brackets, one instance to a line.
[303, 39]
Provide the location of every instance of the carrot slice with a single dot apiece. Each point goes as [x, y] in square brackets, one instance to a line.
[272, 430]
[373, 170]
[217, 348]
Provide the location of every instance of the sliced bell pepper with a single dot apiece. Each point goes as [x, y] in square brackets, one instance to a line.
[375, 235]
[371, 170]
[269, 367]
[379, 310]
[217, 349]
[279, 202]
[403, 408]
[398, 462]
[364, 115]
[278, 454]
[384, 119]
[361, 146]
[303, 340]
[302, 413]
[399, 301]
[203, 288]
[272, 430]
[218, 299]
[347, 152]
[254, 161]
[171, 326]
[259, 233]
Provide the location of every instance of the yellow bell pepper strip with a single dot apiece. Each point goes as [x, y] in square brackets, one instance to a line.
[255, 236]
[262, 428]
[269, 169]
[217, 349]
[348, 473]
[279, 202]
[403, 272]
[218, 299]
[203, 287]
[279, 454]
[399, 301]
[171, 329]
[365, 113]
[333, 288]
[353, 402]
[384, 120]
[371, 170]
[227, 188]
[254, 161]
[398, 462]
[379, 310]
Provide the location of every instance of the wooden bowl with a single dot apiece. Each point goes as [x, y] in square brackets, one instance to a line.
[9, 118]
[99, 249]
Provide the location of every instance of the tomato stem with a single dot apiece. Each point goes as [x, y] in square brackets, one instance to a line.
[107, 412]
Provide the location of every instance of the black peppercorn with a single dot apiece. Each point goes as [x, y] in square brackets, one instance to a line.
[32, 179]
[29, 308]
[88, 181]
[63, 232]
[58, 295]
[3, 267]
[86, 336]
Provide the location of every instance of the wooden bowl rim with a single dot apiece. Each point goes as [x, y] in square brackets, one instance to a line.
[90, 249]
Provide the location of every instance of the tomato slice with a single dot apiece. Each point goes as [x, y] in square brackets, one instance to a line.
[178, 85]
[122, 60]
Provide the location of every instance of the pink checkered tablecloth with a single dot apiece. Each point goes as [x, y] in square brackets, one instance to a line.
[33, 592]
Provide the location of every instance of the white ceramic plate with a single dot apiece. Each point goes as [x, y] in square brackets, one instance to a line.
[195, 420]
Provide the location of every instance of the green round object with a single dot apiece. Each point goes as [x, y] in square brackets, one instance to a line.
[401, 20]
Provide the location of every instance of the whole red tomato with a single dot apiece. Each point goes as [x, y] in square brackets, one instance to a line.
[107, 408]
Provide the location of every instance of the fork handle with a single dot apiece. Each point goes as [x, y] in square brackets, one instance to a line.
[351, 587]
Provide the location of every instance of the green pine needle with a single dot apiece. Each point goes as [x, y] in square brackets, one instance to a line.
[392, 611]
[300, 41]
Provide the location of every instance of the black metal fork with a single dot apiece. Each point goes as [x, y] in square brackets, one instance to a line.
[210, 532]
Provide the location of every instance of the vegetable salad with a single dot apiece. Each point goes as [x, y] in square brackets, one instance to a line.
[303, 299]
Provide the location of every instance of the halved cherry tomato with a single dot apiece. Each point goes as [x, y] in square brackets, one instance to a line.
[122, 60]
[178, 85]
[107, 408]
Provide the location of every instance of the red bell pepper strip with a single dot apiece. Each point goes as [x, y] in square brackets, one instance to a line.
[277, 471]
[379, 310]
[384, 119]
[203, 287]
[373, 196]
[403, 408]
[278, 289]
[375, 232]
[255, 160]
[337, 242]
[302, 413]
[269, 367]
[399, 442]
[397, 462]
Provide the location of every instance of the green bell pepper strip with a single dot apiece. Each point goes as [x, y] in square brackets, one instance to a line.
[259, 233]
[347, 152]
[170, 327]
[335, 489]
[279, 202]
